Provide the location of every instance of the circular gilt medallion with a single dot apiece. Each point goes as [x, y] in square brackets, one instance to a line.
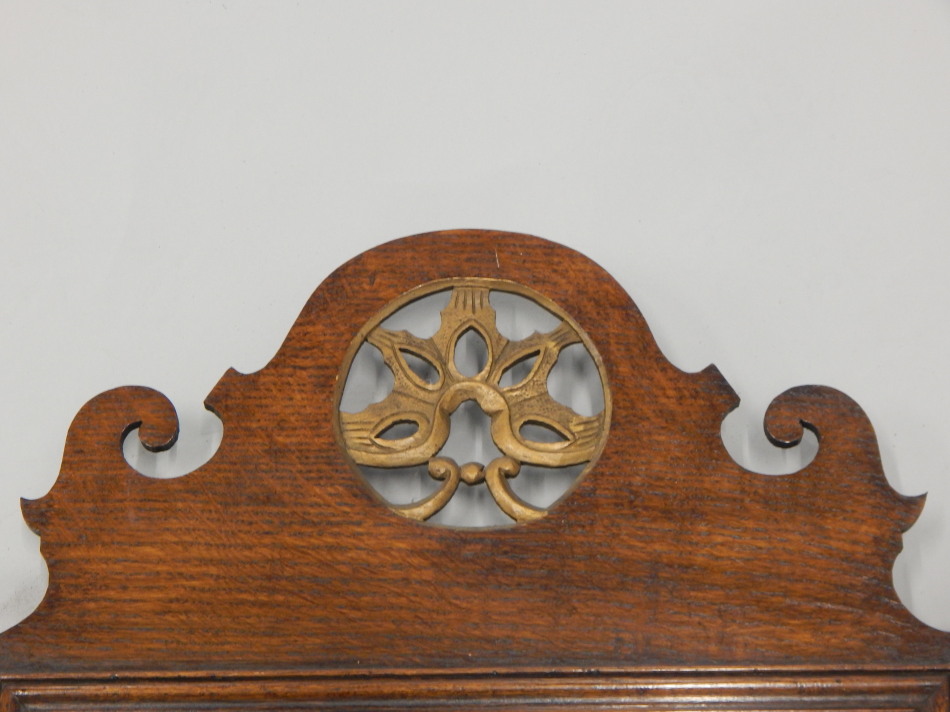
[469, 359]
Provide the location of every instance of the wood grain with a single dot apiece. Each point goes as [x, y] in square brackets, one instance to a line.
[276, 556]
[926, 692]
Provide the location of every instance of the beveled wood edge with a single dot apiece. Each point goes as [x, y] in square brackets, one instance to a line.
[806, 689]
[495, 673]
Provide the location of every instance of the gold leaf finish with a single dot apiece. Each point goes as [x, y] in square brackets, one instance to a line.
[428, 406]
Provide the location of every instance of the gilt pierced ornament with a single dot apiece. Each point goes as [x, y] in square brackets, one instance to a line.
[410, 426]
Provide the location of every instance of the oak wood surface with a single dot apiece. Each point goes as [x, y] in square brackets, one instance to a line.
[921, 691]
[276, 556]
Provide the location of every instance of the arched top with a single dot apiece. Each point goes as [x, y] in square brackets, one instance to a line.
[666, 555]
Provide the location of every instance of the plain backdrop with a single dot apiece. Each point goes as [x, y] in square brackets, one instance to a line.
[770, 181]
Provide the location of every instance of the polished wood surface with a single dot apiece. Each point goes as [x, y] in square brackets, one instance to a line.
[420, 690]
[667, 561]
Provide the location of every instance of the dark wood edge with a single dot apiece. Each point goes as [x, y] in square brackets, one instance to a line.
[915, 690]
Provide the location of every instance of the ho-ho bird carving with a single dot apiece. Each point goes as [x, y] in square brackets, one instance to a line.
[669, 577]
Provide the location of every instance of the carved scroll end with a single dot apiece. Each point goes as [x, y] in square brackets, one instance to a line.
[847, 443]
[94, 443]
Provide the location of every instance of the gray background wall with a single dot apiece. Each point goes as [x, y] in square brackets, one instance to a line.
[768, 180]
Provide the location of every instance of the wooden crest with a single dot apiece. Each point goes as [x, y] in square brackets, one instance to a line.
[668, 577]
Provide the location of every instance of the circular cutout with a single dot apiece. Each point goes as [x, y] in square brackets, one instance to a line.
[465, 391]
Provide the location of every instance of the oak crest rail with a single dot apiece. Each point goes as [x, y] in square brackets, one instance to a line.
[666, 576]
